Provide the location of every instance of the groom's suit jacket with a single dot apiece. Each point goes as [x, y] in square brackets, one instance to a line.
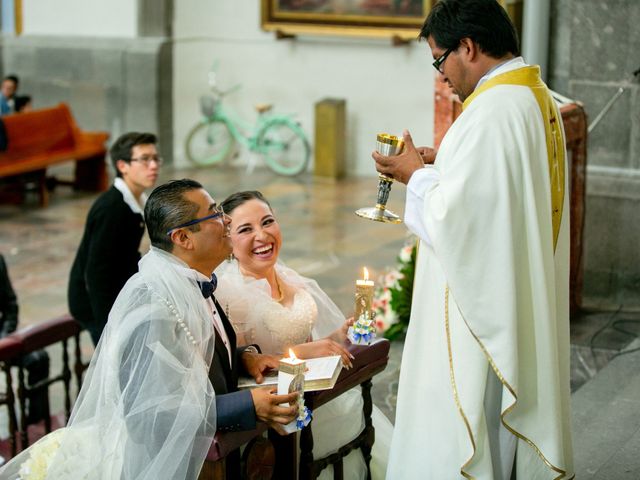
[234, 409]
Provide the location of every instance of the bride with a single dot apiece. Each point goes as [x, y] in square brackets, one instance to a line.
[271, 305]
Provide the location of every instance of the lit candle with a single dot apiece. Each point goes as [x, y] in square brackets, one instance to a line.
[364, 295]
[291, 379]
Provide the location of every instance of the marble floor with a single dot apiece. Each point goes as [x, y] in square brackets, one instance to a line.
[323, 239]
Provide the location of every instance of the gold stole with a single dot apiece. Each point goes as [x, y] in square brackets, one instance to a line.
[530, 77]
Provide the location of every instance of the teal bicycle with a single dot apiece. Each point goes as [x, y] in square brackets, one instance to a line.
[278, 139]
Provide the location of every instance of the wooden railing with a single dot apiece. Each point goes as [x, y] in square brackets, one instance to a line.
[285, 464]
[275, 457]
[13, 348]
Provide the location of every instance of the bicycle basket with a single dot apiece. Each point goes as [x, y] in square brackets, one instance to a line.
[208, 105]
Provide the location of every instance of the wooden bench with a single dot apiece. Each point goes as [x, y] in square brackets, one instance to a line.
[12, 349]
[49, 136]
[291, 456]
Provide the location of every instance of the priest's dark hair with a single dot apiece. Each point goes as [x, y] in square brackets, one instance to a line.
[122, 148]
[483, 21]
[234, 200]
[167, 207]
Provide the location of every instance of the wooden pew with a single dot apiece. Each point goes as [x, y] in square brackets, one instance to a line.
[49, 136]
[12, 349]
[278, 457]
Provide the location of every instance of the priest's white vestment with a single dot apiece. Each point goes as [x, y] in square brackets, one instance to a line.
[490, 296]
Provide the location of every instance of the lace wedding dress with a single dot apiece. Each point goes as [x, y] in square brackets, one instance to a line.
[259, 319]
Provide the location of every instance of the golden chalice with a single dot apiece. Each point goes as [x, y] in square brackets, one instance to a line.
[385, 145]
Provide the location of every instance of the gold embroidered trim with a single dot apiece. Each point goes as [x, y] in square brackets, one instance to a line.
[563, 473]
[453, 384]
[530, 77]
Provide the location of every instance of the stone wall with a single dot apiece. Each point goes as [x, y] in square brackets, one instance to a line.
[111, 84]
[594, 50]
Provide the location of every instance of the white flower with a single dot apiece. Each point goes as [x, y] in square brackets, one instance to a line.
[37, 465]
[405, 253]
[392, 277]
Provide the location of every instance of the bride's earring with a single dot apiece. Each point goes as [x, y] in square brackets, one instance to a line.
[231, 257]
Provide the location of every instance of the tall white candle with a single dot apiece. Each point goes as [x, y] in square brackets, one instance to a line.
[291, 379]
[364, 295]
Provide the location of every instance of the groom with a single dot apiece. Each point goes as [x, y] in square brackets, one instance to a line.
[184, 220]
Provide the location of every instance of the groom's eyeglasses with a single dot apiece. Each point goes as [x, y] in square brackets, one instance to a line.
[218, 212]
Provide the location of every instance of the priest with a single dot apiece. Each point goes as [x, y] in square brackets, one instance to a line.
[484, 385]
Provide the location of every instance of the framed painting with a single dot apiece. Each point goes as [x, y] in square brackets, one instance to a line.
[398, 19]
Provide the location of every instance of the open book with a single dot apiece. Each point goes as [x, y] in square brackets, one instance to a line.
[321, 374]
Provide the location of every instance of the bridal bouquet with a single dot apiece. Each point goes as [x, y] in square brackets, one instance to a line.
[70, 452]
[37, 465]
[392, 299]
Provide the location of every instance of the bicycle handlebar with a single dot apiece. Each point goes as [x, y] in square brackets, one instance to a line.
[222, 93]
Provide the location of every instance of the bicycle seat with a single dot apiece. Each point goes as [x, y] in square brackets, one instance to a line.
[263, 107]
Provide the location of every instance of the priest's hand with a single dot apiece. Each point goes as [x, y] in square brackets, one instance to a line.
[402, 166]
[428, 154]
[269, 410]
[256, 364]
[324, 348]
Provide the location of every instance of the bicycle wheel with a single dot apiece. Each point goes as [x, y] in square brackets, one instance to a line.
[209, 143]
[284, 147]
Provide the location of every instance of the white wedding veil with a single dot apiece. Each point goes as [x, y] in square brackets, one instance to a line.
[243, 297]
[147, 408]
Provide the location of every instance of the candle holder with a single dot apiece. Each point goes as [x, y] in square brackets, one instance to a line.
[387, 145]
[363, 331]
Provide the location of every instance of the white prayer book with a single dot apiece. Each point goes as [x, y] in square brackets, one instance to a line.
[321, 374]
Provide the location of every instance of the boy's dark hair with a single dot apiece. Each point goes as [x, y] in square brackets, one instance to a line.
[234, 200]
[122, 147]
[166, 207]
[21, 101]
[14, 79]
[483, 21]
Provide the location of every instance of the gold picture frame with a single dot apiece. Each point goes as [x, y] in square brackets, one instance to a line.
[396, 19]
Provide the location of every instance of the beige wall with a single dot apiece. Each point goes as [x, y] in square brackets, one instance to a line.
[387, 88]
[90, 18]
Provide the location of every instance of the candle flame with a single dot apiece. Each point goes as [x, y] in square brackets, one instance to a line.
[366, 273]
[292, 355]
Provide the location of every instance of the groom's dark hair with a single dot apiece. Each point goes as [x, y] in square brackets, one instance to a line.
[234, 200]
[166, 207]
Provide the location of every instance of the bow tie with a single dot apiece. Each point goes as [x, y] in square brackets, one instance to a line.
[207, 288]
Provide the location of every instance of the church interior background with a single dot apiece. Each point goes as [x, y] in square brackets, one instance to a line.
[142, 65]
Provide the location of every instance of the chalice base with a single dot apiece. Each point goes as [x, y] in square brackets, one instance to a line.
[379, 214]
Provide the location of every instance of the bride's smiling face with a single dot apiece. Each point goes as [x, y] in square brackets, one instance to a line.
[256, 237]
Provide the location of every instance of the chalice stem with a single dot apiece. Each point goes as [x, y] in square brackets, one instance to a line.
[384, 188]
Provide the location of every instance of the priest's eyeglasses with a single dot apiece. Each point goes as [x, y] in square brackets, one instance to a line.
[438, 63]
[218, 212]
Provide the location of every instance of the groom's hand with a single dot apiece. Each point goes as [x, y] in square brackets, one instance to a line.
[256, 364]
[269, 410]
